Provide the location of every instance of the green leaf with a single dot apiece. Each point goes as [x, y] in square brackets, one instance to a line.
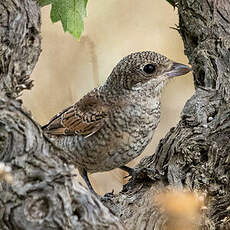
[172, 2]
[70, 13]
[82, 7]
[44, 2]
[55, 17]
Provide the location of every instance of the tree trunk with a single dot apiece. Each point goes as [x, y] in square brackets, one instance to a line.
[194, 155]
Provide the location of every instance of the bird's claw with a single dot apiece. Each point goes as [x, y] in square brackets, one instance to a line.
[107, 196]
[131, 172]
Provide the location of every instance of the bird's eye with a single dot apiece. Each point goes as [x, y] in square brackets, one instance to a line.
[149, 68]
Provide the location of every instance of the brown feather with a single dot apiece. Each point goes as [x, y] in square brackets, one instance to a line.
[84, 118]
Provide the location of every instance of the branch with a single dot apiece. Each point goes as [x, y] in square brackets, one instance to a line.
[43, 194]
[20, 45]
[194, 155]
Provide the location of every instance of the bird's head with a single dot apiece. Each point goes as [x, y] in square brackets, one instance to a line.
[141, 67]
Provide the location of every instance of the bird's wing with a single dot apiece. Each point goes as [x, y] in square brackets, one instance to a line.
[84, 118]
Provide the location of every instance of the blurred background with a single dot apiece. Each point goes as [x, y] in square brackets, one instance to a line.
[68, 69]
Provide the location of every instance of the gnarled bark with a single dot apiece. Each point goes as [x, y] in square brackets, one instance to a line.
[42, 195]
[193, 155]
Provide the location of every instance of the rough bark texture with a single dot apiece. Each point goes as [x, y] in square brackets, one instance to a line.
[42, 195]
[20, 45]
[193, 155]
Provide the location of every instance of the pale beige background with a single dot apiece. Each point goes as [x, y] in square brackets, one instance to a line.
[67, 68]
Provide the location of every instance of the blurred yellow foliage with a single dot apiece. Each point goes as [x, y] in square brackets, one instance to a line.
[182, 208]
[5, 173]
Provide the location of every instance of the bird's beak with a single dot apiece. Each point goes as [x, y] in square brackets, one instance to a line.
[178, 69]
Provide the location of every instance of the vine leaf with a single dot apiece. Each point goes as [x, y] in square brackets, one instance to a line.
[70, 12]
[172, 2]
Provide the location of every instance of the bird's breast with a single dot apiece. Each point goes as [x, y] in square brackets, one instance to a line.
[136, 121]
[125, 134]
[140, 114]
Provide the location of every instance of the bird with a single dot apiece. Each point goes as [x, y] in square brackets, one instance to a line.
[112, 124]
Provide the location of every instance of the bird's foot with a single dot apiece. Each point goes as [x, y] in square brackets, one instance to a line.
[108, 196]
[131, 172]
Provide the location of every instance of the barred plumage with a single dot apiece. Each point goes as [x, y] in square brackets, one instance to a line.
[112, 124]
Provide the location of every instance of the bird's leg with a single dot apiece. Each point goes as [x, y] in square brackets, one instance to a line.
[129, 170]
[84, 175]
